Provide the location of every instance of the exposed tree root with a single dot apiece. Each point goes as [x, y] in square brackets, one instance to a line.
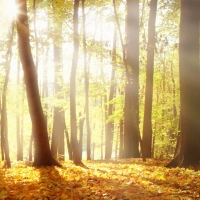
[185, 162]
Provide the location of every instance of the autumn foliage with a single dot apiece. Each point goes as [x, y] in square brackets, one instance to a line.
[112, 180]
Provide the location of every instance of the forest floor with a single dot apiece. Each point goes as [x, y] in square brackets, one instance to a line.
[129, 179]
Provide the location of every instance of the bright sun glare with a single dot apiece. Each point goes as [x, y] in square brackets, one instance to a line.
[8, 9]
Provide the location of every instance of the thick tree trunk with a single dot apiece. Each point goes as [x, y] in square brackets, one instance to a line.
[42, 154]
[57, 144]
[189, 149]
[135, 116]
[131, 115]
[147, 125]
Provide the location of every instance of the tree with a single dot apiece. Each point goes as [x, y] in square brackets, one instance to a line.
[131, 113]
[4, 121]
[86, 85]
[189, 150]
[42, 154]
[110, 125]
[19, 124]
[57, 144]
[147, 124]
[73, 124]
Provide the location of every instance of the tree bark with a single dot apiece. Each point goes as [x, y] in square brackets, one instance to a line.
[69, 147]
[121, 140]
[189, 69]
[4, 123]
[110, 125]
[42, 154]
[57, 143]
[147, 124]
[19, 125]
[73, 123]
[86, 86]
[81, 124]
[131, 115]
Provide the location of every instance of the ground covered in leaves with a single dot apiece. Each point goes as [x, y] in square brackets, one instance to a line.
[112, 180]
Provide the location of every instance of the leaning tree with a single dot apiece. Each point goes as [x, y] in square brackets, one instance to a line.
[42, 154]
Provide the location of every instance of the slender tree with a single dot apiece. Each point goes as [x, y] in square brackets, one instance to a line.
[81, 131]
[42, 154]
[4, 122]
[73, 123]
[189, 150]
[68, 143]
[121, 139]
[110, 125]
[86, 85]
[57, 144]
[147, 124]
[19, 123]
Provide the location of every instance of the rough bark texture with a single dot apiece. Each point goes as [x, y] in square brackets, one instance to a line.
[189, 149]
[42, 154]
[147, 125]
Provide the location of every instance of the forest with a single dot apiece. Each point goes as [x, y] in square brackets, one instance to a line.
[99, 99]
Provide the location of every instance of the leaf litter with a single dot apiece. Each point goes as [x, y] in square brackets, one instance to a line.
[127, 179]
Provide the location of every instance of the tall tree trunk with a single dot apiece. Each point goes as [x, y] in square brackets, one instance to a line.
[45, 92]
[147, 124]
[131, 139]
[42, 154]
[4, 123]
[189, 153]
[86, 85]
[174, 92]
[102, 130]
[110, 125]
[73, 123]
[2, 150]
[35, 35]
[57, 144]
[19, 125]
[131, 95]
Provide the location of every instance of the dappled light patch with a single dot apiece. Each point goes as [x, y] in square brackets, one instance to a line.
[116, 179]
